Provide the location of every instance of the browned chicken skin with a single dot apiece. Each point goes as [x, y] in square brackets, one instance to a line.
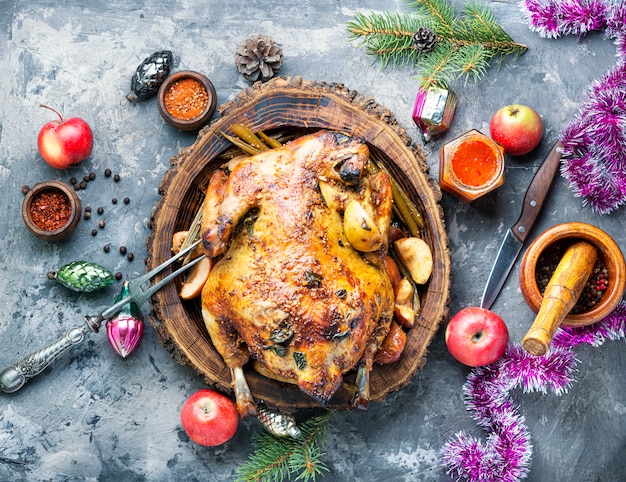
[288, 288]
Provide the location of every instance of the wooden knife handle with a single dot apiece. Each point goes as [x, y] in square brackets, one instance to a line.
[537, 192]
[560, 296]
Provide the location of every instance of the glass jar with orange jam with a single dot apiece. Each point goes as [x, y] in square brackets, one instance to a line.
[471, 166]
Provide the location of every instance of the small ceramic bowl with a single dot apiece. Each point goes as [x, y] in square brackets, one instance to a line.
[40, 218]
[187, 100]
[471, 166]
[608, 251]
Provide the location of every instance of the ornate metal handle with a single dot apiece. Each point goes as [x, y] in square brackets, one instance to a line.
[14, 377]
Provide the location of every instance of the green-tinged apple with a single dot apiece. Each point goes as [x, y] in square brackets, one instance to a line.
[62, 142]
[518, 128]
[476, 336]
[209, 418]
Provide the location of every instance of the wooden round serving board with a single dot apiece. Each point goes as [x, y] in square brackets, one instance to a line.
[283, 104]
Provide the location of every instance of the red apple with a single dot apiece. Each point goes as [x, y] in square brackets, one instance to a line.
[517, 128]
[209, 417]
[62, 143]
[476, 336]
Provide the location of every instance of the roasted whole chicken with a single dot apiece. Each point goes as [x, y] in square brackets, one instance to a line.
[288, 289]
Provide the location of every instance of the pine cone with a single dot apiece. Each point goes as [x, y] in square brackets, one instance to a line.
[424, 39]
[258, 58]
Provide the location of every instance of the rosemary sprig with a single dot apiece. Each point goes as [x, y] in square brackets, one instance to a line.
[465, 46]
[277, 458]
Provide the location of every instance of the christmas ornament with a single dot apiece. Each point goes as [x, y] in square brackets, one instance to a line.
[594, 154]
[258, 58]
[506, 454]
[277, 423]
[125, 329]
[433, 111]
[442, 45]
[83, 276]
[149, 75]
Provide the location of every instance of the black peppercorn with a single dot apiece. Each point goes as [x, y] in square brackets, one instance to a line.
[130, 256]
[118, 276]
[92, 176]
[86, 178]
[106, 248]
[25, 189]
[123, 249]
[83, 185]
[116, 178]
[73, 181]
[114, 200]
[87, 209]
[100, 210]
[126, 200]
[94, 232]
[107, 172]
[87, 215]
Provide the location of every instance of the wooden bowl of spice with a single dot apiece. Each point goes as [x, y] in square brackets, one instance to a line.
[605, 286]
[51, 210]
[187, 100]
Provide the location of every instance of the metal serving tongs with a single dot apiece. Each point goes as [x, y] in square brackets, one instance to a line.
[15, 377]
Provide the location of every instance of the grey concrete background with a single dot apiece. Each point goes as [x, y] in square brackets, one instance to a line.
[95, 416]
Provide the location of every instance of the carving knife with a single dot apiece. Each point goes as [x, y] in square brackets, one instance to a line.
[514, 239]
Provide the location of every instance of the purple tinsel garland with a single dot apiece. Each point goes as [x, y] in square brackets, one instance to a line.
[506, 454]
[595, 142]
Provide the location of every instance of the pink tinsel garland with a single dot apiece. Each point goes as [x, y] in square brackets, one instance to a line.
[594, 158]
[506, 454]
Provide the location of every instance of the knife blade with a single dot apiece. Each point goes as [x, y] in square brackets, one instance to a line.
[514, 238]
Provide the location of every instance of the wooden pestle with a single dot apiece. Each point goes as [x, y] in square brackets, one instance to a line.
[560, 296]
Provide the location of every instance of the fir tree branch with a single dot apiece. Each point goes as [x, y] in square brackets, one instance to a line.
[464, 48]
[387, 35]
[441, 11]
[276, 459]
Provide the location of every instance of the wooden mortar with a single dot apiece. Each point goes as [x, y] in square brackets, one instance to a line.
[561, 295]
[566, 234]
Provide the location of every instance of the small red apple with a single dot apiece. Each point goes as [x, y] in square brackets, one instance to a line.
[517, 128]
[476, 336]
[209, 417]
[62, 143]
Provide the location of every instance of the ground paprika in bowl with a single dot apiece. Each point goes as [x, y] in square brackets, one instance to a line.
[187, 100]
[51, 210]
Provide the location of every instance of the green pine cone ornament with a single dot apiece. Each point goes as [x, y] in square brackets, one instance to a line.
[83, 276]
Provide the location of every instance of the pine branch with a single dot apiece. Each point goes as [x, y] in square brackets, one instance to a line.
[443, 13]
[276, 459]
[387, 35]
[464, 49]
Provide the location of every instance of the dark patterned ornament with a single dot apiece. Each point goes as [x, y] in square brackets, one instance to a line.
[424, 39]
[150, 75]
[83, 276]
[258, 58]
